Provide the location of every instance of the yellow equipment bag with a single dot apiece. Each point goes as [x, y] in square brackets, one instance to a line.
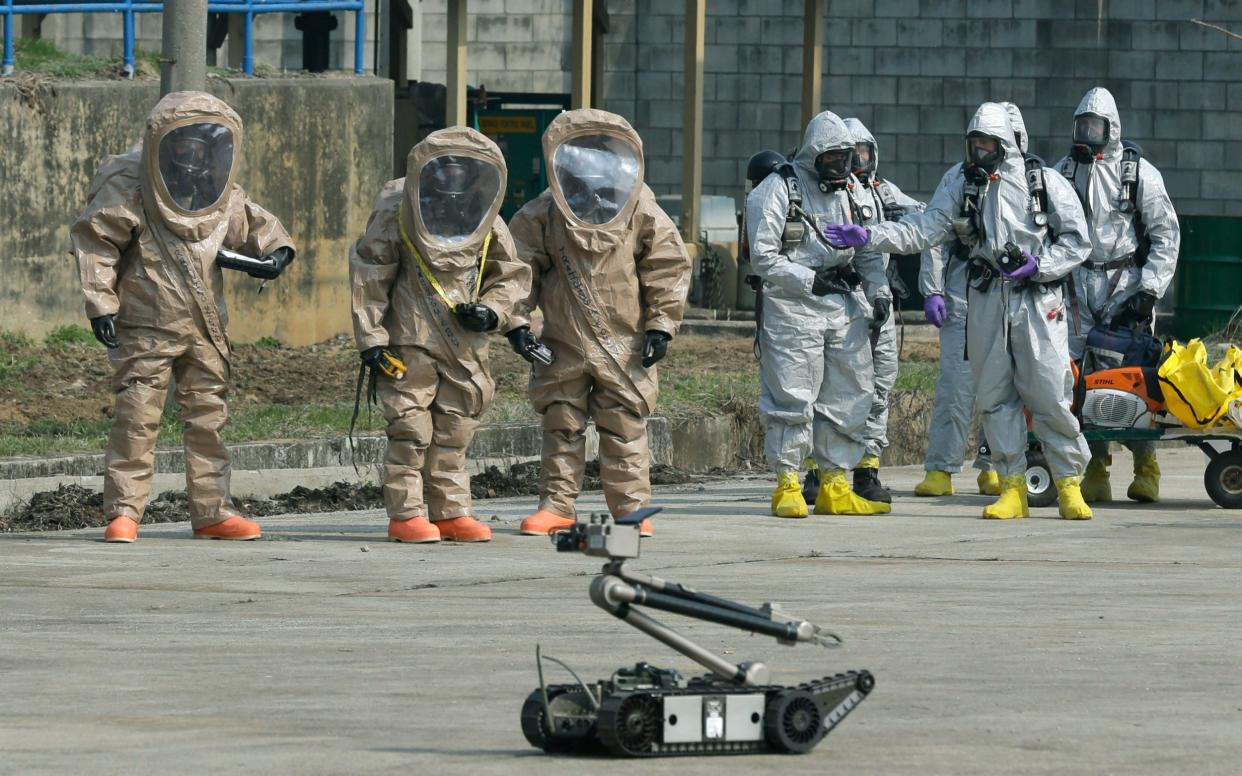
[1197, 395]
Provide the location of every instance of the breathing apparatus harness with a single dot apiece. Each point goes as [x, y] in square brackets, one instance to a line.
[1127, 201]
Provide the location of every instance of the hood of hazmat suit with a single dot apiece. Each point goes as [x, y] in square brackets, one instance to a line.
[435, 240]
[596, 161]
[1018, 126]
[608, 265]
[146, 248]
[1113, 235]
[861, 135]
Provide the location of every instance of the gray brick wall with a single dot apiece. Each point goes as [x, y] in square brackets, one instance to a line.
[915, 70]
[514, 45]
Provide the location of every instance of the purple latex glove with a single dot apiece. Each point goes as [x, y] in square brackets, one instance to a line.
[1028, 268]
[847, 235]
[936, 310]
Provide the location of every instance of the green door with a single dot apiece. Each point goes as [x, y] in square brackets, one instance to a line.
[1209, 275]
[519, 133]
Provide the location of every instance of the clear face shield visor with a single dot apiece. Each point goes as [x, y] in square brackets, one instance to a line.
[597, 176]
[455, 195]
[195, 163]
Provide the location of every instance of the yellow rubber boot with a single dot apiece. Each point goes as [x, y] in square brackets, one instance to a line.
[1096, 489]
[835, 497]
[787, 500]
[935, 483]
[1012, 503]
[989, 483]
[1146, 486]
[1069, 494]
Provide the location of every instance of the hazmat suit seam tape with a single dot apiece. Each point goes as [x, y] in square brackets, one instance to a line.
[426, 270]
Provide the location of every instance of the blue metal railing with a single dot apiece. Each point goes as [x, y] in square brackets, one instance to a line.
[129, 8]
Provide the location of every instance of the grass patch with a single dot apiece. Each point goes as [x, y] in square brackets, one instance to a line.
[707, 393]
[71, 334]
[47, 437]
[43, 57]
[268, 342]
[918, 376]
[14, 356]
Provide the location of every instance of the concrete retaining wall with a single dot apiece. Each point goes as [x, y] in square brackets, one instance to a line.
[316, 152]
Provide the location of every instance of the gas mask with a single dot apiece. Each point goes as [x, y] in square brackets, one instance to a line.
[984, 153]
[194, 164]
[833, 168]
[597, 176]
[455, 195]
[863, 160]
[1090, 137]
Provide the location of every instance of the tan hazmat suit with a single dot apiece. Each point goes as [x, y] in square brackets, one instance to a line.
[609, 265]
[417, 245]
[146, 252]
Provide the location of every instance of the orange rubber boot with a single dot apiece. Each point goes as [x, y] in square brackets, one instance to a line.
[544, 522]
[121, 528]
[416, 530]
[463, 529]
[644, 528]
[236, 528]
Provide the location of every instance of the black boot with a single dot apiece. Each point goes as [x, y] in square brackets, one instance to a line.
[810, 486]
[867, 484]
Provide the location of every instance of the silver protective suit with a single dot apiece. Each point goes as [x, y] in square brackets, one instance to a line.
[1016, 332]
[874, 194]
[941, 273]
[1102, 291]
[816, 380]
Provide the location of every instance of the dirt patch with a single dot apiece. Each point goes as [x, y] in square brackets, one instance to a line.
[72, 506]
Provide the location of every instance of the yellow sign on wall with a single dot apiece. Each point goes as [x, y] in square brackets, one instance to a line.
[490, 125]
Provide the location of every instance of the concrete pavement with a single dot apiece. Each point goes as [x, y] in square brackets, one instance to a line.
[1034, 646]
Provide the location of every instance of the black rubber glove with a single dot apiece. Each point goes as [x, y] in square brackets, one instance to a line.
[1139, 308]
[280, 258]
[104, 327]
[655, 347]
[881, 308]
[371, 356]
[476, 317]
[522, 342]
[826, 281]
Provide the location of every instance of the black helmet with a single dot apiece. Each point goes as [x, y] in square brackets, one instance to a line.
[761, 164]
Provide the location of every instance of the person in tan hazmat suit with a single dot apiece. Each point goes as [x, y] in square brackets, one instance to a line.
[434, 272]
[146, 251]
[611, 275]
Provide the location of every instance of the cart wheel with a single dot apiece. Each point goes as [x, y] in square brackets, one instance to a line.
[1040, 492]
[1223, 479]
